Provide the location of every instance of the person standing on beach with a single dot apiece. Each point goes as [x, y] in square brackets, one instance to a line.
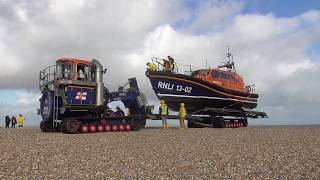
[163, 112]
[13, 122]
[20, 120]
[7, 121]
[182, 116]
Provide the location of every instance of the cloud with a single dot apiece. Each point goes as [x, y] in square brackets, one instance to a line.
[27, 98]
[269, 51]
[35, 34]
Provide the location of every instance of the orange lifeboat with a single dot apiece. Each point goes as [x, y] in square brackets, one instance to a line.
[221, 87]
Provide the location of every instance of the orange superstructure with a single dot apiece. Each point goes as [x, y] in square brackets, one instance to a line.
[226, 79]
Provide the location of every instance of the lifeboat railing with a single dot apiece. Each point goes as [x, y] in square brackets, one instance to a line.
[47, 76]
[160, 63]
[176, 66]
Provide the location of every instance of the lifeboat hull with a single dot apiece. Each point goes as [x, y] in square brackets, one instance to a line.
[197, 94]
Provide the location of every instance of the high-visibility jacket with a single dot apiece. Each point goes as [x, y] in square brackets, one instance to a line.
[182, 112]
[152, 67]
[163, 110]
[20, 120]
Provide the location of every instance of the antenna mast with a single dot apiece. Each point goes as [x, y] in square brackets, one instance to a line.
[229, 64]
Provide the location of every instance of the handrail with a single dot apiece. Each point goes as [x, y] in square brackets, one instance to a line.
[47, 75]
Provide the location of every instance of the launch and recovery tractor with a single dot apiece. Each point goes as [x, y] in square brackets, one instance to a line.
[74, 99]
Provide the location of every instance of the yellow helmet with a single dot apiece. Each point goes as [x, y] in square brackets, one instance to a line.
[182, 104]
[162, 102]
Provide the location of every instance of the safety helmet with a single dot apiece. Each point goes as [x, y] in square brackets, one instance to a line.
[182, 104]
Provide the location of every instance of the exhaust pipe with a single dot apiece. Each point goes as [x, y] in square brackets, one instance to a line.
[99, 80]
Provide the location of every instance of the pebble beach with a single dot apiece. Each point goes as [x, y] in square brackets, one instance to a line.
[152, 153]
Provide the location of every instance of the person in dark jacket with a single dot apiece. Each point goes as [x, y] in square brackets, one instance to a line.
[7, 121]
[13, 122]
[171, 63]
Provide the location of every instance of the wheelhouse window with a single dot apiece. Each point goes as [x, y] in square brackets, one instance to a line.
[230, 77]
[204, 72]
[215, 74]
[195, 73]
[223, 75]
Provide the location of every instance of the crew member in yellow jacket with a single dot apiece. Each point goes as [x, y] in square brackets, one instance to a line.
[164, 112]
[152, 67]
[182, 115]
[20, 120]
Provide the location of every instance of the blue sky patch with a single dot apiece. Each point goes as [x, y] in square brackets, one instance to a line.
[281, 8]
[8, 97]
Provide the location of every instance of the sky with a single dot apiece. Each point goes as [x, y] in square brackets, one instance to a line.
[276, 46]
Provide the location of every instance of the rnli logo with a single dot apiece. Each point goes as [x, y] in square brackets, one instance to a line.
[174, 87]
[81, 96]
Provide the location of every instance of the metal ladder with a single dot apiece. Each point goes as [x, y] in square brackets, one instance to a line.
[56, 108]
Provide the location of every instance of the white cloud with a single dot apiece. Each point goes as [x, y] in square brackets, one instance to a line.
[285, 70]
[27, 98]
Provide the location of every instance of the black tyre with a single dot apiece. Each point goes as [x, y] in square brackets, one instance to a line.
[194, 125]
[219, 122]
[143, 123]
[43, 126]
[245, 122]
[135, 123]
[70, 126]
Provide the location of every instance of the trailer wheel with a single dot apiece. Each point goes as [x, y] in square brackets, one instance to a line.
[107, 128]
[43, 126]
[219, 122]
[135, 123]
[100, 128]
[92, 128]
[193, 125]
[143, 123]
[114, 128]
[46, 126]
[189, 124]
[70, 126]
[84, 128]
[245, 122]
[127, 127]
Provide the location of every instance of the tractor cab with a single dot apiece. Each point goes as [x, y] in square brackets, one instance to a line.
[68, 71]
[74, 69]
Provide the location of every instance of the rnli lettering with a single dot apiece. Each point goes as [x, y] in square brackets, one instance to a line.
[164, 85]
[173, 87]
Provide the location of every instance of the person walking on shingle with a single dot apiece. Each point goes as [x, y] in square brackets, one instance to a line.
[20, 120]
[13, 122]
[7, 121]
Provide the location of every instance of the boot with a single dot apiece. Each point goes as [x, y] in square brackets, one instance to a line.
[182, 124]
[166, 126]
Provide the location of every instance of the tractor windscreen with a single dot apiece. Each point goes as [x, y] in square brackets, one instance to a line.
[64, 70]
